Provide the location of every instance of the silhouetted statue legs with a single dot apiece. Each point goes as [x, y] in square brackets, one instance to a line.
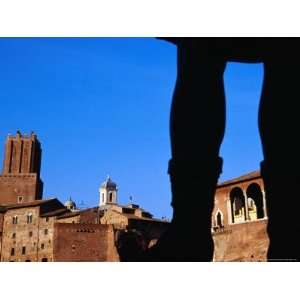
[279, 129]
[197, 128]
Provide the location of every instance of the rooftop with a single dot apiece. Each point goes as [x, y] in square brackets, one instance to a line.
[246, 177]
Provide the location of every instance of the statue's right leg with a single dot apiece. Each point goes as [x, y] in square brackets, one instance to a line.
[197, 127]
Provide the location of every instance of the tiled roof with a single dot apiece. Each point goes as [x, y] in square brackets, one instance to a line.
[246, 177]
[132, 216]
[69, 214]
[56, 212]
[31, 203]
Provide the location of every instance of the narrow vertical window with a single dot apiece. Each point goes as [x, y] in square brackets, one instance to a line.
[29, 218]
[12, 251]
[15, 220]
[23, 250]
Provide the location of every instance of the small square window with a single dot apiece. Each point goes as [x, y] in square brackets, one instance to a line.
[42, 246]
[20, 199]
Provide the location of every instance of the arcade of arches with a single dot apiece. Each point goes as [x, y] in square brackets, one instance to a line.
[244, 204]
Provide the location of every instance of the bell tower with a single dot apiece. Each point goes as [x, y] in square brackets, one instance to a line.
[108, 192]
[20, 179]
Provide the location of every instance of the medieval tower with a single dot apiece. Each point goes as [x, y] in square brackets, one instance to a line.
[20, 179]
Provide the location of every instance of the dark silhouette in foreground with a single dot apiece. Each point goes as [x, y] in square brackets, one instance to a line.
[197, 129]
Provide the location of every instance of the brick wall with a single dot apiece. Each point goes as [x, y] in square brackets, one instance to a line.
[24, 185]
[45, 238]
[242, 242]
[36, 236]
[90, 216]
[72, 219]
[22, 234]
[1, 230]
[117, 219]
[84, 242]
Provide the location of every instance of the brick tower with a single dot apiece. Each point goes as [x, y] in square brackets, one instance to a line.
[20, 180]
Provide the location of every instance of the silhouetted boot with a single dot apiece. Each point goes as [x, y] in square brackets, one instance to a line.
[188, 237]
[283, 210]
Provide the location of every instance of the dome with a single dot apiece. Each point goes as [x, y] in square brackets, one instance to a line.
[70, 203]
[108, 183]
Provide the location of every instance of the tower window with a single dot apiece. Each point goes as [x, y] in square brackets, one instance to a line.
[110, 196]
[103, 197]
[15, 220]
[42, 246]
[29, 218]
[13, 235]
[30, 233]
[12, 251]
[45, 231]
[47, 219]
[23, 250]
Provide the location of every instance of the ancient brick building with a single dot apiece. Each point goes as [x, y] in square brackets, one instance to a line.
[20, 179]
[239, 220]
[32, 229]
[27, 230]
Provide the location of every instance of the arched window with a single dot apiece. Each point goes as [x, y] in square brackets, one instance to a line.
[237, 205]
[15, 220]
[255, 202]
[110, 196]
[219, 219]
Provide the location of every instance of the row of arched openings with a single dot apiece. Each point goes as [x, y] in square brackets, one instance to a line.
[255, 204]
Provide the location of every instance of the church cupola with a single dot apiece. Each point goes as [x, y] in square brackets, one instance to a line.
[108, 192]
[70, 204]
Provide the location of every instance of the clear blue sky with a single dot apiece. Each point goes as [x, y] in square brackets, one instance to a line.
[101, 106]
